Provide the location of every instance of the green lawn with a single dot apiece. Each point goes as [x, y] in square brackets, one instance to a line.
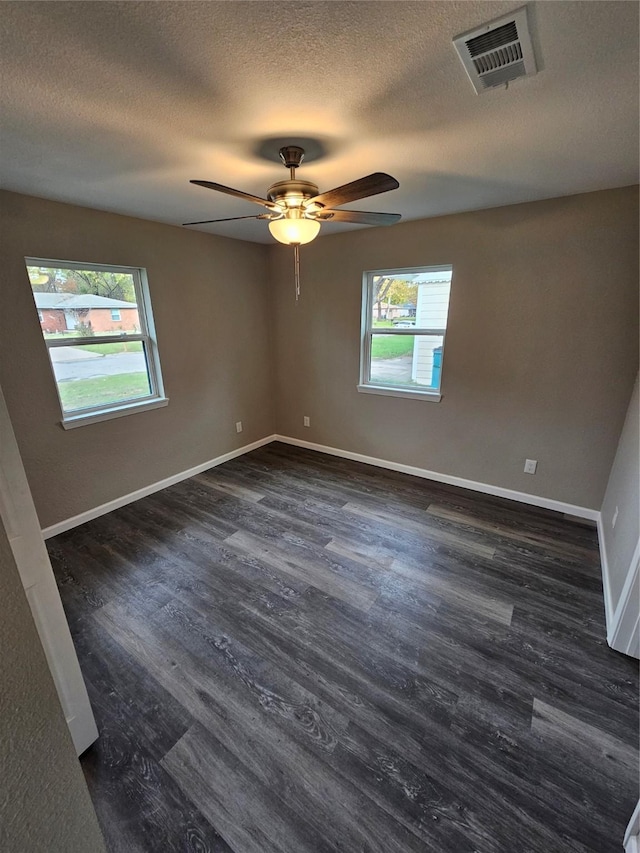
[82, 393]
[110, 349]
[391, 346]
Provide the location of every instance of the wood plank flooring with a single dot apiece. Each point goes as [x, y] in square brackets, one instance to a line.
[293, 653]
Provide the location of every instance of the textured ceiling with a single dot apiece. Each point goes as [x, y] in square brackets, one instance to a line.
[117, 105]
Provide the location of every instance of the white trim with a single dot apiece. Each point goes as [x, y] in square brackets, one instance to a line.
[367, 332]
[432, 396]
[632, 835]
[147, 335]
[18, 515]
[414, 330]
[103, 509]
[623, 617]
[623, 633]
[57, 263]
[606, 578]
[73, 421]
[485, 488]
[424, 268]
[77, 341]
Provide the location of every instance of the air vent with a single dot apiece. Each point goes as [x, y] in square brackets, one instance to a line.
[498, 52]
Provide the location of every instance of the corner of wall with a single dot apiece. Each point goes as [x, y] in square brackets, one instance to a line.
[619, 537]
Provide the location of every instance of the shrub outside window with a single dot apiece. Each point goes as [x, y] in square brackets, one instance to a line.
[97, 325]
[404, 323]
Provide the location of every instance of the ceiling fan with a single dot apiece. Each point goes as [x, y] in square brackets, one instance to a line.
[295, 209]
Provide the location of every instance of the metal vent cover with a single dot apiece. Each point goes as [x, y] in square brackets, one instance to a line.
[497, 52]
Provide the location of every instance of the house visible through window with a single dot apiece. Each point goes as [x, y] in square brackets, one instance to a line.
[101, 369]
[404, 323]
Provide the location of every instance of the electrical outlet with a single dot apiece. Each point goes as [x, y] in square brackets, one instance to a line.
[306, 421]
[238, 426]
[615, 517]
[530, 466]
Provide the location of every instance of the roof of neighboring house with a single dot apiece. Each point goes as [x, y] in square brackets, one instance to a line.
[78, 300]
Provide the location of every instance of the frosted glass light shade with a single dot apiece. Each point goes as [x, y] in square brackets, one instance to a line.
[290, 231]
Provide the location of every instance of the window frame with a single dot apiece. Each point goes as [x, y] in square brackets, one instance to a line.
[147, 335]
[117, 311]
[365, 385]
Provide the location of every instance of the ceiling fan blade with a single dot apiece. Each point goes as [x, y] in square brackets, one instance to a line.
[379, 182]
[360, 217]
[228, 219]
[237, 193]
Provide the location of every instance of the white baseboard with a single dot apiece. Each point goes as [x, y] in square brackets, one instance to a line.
[485, 488]
[623, 620]
[103, 509]
[622, 625]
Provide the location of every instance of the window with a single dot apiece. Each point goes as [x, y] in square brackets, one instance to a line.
[100, 372]
[404, 322]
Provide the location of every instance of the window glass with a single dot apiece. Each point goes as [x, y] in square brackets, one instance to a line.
[404, 326]
[95, 325]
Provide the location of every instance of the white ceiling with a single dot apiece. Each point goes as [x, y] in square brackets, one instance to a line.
[116, 105]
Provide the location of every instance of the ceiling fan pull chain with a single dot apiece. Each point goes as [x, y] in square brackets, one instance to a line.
[296, 268]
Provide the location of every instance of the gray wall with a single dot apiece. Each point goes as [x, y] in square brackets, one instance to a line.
[542, 341]
[540, 357]
[623, 492]
[44, 802]
[209, 300]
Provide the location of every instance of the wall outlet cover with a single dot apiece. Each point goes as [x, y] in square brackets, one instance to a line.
[530, 466]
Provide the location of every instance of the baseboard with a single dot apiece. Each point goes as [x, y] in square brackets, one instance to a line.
[485, 488]
[620, 629]
[623, 624]
[103, 509]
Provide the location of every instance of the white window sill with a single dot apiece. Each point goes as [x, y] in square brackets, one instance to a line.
[431, 396]
[73, 421]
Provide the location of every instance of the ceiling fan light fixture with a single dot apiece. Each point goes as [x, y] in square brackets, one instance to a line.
[293, 229]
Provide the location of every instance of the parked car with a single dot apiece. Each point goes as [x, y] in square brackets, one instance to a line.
[404, 324]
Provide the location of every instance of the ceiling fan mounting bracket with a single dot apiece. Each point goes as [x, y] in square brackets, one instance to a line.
[291, 156]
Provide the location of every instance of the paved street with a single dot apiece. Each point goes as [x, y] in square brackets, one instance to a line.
[82, 367]
[393, 369]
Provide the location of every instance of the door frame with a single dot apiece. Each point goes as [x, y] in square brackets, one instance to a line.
[20, 519]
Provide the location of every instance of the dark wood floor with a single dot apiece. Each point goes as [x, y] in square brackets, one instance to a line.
[294, 653]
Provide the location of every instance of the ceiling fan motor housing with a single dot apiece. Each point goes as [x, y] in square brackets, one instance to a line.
[291, 193]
